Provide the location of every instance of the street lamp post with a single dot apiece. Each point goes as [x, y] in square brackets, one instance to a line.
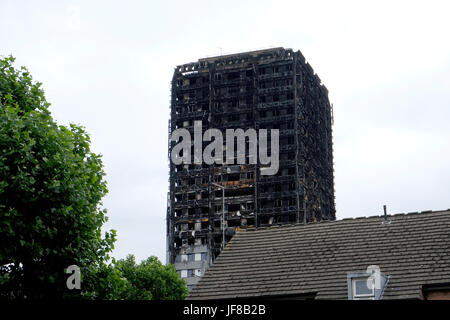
[223, 213]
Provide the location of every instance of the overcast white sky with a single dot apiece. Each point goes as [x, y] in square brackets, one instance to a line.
[108, 64]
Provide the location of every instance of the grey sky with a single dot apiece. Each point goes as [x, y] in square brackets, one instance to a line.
[108, 65]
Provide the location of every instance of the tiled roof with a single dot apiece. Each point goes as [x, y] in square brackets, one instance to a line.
[413, 250]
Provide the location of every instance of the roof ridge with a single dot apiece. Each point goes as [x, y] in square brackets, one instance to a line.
[337, 220]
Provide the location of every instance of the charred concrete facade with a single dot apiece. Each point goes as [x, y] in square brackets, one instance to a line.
[266, 89]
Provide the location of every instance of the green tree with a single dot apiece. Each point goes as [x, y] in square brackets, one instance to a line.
[151, 280]
[51, 186]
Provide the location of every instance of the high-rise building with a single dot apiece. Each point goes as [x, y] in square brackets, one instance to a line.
[265, 89]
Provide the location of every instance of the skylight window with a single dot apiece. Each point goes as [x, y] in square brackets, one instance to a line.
[367, 285]
[363, 288]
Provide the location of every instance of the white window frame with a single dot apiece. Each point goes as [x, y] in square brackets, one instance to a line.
[363, 296]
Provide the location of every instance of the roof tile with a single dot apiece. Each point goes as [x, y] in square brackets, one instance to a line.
[412, 250]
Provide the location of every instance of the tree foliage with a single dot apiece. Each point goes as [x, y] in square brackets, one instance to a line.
[51, 186]
[151, 280]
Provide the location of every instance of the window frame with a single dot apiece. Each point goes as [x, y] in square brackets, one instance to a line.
[359, 275]
[356, 296]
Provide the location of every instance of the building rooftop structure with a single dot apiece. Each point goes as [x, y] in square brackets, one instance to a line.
[325, 260]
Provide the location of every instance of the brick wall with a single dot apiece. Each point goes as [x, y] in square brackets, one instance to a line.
[437, 295]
